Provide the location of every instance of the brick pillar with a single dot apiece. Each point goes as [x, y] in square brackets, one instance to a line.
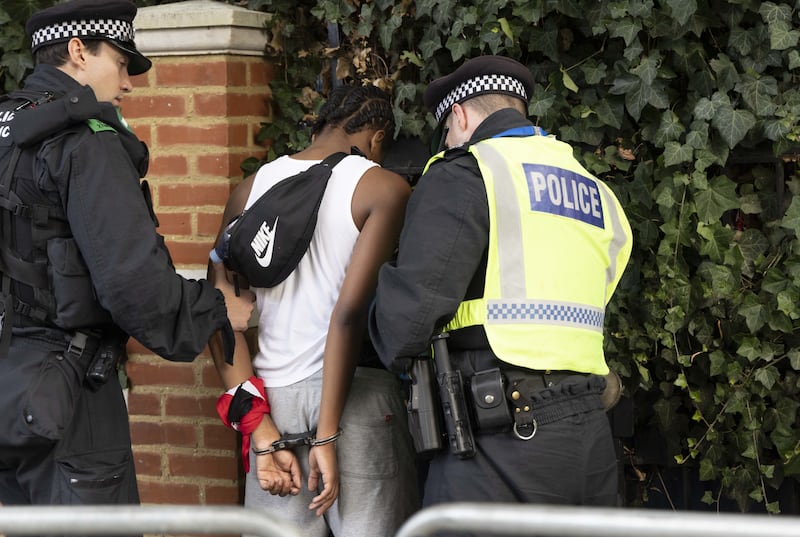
[198, 109]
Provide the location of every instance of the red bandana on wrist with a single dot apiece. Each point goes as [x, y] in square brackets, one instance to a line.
[242, 408]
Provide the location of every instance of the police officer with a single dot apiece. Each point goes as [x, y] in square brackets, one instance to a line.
[81, 265]
[514, 249]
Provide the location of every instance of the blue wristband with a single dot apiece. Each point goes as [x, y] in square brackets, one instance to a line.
[214, 256]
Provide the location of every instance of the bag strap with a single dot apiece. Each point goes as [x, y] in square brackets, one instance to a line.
[334, 159]
[331, 161]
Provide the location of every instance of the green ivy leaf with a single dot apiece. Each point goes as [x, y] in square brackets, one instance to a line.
[754, 312]
[717, 363]
[767, 376]
[636, 99]
[698, 135]
[717, 241]
[542, 101]
[727, 76]
[791, 220]
[782, 36]
[675, 153]
[752, 244]
[733, 124]
[751, 204]
[458, 47]
[670, 128]
[742, 40]
[567, 81]
[607, 114]
[665, 412]
[506, 27]
[794, 59]
[404, 92]
[718, 197]
[594, 73]
[634, 50]
[411, 57]
[627, 29]
[758, 93]
[708, 470]
[682, 10]
[704, 109]
[786, 412]
[794, 359]
[647, 70]
[772, 12]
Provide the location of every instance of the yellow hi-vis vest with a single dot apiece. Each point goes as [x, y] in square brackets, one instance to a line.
[558, 244]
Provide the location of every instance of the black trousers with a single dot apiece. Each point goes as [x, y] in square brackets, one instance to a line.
[79, 452]
[571, 461]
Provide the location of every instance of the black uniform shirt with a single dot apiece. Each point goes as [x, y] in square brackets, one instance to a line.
[442, 256]
[96, 179]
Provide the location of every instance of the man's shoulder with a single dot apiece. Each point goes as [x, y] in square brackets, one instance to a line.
[457, 161]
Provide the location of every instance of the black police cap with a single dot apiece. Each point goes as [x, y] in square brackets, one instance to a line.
[111, 20]
[478, 76]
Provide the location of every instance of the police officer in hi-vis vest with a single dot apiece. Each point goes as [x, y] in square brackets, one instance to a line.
[512, 249]
[82, 267]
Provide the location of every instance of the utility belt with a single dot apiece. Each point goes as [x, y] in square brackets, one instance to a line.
[537, 398]
[491, 401]
[97, 353]
[107, 351]
[45, 377]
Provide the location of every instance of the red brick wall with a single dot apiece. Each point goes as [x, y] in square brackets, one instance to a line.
[199, 116]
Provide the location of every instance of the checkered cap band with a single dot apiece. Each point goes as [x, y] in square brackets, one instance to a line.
[480, 84]
[109, 28]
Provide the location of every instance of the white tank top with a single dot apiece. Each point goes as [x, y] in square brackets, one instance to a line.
[293, 317]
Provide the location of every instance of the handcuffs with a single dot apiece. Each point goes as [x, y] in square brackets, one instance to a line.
[291, 441]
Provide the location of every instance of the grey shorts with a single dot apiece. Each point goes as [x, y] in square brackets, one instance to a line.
[378, 479]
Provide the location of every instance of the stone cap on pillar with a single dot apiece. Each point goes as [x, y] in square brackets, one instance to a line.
[199, 27]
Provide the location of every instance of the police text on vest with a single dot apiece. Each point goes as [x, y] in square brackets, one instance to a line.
[5, 128]
[565, 193]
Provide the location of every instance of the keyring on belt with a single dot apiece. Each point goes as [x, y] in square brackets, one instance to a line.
[526, 437]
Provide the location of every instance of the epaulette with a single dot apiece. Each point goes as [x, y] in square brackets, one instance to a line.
[99, 126]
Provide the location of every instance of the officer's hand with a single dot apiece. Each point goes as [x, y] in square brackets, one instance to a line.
[278, 473]
[240, 308]
[323, 465]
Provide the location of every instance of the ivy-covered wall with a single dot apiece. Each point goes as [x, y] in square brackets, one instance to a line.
[688, 109]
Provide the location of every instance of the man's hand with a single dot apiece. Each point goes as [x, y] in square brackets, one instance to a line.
[279, 473]
[240, 308]
[323, 464]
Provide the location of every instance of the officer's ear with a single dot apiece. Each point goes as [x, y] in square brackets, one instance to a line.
[77, 51]
[459, 118]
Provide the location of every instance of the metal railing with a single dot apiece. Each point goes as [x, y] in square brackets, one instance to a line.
[568, 521]
[134, 519]
[477, 518]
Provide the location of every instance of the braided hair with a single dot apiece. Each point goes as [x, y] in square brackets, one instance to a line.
[355, 108]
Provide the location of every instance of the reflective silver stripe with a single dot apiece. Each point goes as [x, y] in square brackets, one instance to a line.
[510, 247]
[618, 234]
[545, 312]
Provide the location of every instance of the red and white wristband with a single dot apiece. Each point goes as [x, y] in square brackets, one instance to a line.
[242, 408]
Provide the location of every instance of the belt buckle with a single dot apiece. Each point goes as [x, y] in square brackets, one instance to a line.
[78, 343]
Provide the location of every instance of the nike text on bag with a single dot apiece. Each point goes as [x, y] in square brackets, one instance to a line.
[267, 241]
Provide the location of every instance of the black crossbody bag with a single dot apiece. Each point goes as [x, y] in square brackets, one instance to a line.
[266, 242]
